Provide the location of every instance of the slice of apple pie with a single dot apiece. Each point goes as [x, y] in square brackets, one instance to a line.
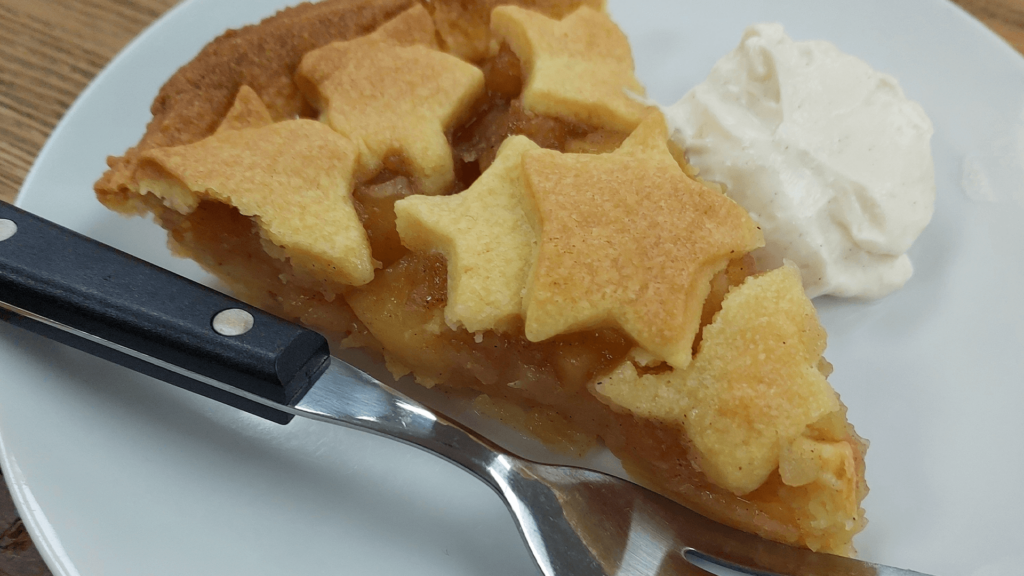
[473, 192]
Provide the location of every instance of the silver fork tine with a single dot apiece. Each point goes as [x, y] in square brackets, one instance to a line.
[630, 527]
[574, 521]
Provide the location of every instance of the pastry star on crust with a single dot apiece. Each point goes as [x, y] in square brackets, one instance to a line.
[248, 111]
[410, 28]
[486, 237]
[577, 69]
[393, 100]
[751, 393]
[294, 178]
[463, 25]
[628, 240]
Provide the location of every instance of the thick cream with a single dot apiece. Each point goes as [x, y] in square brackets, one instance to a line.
[827, 155]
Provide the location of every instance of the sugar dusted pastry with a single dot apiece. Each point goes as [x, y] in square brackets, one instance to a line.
[248, 111]
[755, 404]
[578, 68]
[463, 26]
[563, 271]
[486, 236]
[753, 388]
[294, 178]
[413, 27]
[628, 240]
[393, 100]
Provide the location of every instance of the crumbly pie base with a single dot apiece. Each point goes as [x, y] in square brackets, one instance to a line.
[572, 387]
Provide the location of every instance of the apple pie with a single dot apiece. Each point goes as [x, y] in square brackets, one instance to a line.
[476, 192]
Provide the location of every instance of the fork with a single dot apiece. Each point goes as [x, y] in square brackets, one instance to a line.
[574, 521]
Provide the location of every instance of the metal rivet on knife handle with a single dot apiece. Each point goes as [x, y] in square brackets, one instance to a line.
[7, 229]
[233, 322]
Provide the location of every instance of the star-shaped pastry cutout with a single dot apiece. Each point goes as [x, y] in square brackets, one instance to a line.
[410, 28]
[293, 178]
[628, 240]
[577, 69]
[486, 237]
[393, 101]
[248, 111]
[753, 390]
[463, 26]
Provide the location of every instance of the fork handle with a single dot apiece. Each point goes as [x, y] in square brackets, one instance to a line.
[88, 295]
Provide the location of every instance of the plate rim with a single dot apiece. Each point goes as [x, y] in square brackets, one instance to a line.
[47, 540]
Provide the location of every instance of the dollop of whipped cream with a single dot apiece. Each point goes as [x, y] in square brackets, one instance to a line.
[825, 153]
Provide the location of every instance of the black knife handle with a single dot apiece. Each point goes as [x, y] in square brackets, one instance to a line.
[88, 295]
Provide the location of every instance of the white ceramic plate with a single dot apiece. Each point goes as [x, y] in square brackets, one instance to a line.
[117, 474]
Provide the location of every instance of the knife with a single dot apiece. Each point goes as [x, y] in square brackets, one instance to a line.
[82, 293]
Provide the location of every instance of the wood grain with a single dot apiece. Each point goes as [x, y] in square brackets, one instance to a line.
[1004, 17]
[50, 50]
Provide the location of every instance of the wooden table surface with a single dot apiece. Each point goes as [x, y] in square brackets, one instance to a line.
[50, 50]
